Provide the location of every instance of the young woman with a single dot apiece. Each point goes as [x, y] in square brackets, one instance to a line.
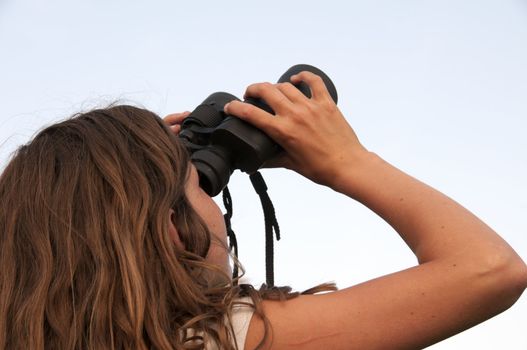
[107, 242]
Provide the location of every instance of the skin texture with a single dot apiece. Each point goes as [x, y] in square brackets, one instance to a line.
[210, 212]
[466, 273]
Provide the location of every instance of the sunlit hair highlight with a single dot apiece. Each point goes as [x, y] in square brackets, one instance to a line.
[85, 251]
[87, 258]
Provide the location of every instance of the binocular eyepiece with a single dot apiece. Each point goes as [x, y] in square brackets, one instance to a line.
[220, 144]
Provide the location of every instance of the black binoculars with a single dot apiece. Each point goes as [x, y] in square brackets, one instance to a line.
[220, 144]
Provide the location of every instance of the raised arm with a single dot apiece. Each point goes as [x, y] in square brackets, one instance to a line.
[466, 274]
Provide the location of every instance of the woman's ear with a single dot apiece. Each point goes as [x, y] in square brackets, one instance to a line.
[172, 230]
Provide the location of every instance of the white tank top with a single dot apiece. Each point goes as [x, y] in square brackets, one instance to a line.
[241, 317]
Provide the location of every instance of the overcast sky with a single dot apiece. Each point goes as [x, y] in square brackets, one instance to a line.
[437, 88]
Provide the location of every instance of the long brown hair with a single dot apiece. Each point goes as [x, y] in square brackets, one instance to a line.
[86, 256]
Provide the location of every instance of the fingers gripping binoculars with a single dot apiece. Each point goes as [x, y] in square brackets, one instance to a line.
[220, 144]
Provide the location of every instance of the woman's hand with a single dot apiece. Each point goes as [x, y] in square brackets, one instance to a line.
[465, 268]
[317, 139]
[174, 121]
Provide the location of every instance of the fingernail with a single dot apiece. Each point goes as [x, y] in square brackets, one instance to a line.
[225, 107]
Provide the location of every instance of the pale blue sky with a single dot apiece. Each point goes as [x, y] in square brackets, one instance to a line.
[437, 88]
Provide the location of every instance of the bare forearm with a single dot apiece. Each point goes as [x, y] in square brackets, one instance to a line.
[467, 273]
[432, 224]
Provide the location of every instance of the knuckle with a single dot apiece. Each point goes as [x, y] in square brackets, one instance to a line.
[303, 74]
[331, 106]
[266, 85]
[281, 130]
[302, 111]
[289, 138]
[312, 107]
[282, 100]
[258, 88]
[308, 74]
[234, 105]
[252, 87]
[317, 78]
[328, 105]
[277, 126]
[246, 110]
[275, 131]
[311, 77]
[287, 86]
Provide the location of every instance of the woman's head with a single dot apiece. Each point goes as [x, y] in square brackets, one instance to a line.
[91, 208]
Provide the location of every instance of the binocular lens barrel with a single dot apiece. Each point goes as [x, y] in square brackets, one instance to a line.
[221, 144]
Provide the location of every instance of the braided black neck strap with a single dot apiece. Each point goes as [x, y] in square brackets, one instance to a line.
[233, 243]
[271, 224]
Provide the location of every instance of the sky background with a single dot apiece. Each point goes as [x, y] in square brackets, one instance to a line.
[437, 88]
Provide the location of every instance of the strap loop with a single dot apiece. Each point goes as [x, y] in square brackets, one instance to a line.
[233, 242]
[271, 224]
